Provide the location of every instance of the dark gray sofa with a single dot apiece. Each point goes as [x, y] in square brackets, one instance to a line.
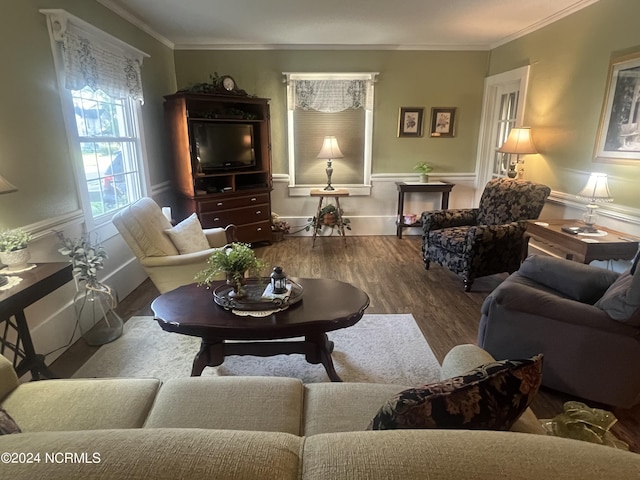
[584, 319]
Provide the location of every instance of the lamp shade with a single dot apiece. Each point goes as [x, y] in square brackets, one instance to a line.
[330, 149]
[519, 142]
[596, 189]
[6, 187]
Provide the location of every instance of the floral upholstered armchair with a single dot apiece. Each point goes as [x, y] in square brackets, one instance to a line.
[486, 240]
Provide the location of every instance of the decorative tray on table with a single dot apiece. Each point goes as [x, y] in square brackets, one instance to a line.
[258, 296]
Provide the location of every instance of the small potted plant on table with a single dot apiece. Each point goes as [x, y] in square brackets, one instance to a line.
[423, 168]
[13, 248]
[233, 261]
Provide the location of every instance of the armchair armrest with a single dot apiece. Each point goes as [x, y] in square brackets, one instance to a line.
[580, 282]
[177, 260]
[437, 219]
[530, 300]
[219, 237]
[493, 233]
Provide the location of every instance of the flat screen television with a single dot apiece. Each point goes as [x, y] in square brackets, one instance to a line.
[223, 146]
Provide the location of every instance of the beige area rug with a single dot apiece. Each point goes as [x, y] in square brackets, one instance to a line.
[378, 349]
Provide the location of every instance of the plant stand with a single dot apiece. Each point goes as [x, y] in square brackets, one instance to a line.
[339, 223]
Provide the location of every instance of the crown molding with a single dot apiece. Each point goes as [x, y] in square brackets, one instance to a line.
[131, 18]
[579, 5]
[213, 46]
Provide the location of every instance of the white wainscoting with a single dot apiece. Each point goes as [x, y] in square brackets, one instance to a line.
[373, 214]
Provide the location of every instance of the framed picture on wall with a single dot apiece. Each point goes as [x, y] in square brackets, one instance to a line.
[619, 131]
[410, 121]
[443, 121]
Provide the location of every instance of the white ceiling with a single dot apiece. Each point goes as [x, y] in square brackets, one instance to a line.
[341, 24]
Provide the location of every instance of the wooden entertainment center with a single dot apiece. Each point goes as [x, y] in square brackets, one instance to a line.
[230, 193]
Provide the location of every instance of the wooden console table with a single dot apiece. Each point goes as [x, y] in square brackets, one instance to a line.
[404, 187]
[580, 248]
[336, 194]
[36, 284]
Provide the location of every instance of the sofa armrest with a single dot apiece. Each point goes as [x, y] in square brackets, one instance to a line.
[578, 281]
[437, 219]
[463, 358]
[540, 303]
[8, 377]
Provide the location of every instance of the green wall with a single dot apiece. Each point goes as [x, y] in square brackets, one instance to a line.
[34, 152]
[569, 67]
[407, 79]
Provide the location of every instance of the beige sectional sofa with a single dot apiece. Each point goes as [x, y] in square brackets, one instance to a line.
[267, 428]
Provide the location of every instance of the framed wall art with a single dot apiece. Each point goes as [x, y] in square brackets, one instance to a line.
[619, 131]
[410, 122]
[443, 121]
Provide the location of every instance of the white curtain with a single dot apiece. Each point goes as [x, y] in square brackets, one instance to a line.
[87, 63]
[330, 96]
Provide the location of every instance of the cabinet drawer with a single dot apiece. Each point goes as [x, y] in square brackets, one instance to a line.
[237, 202]
[254, 232]
[237, 216]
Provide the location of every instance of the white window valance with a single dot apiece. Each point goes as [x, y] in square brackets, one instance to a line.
[329, 96]
[94, 59]
[330, 93]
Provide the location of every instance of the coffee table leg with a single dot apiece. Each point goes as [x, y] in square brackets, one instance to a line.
[211, 354]
[321, 353]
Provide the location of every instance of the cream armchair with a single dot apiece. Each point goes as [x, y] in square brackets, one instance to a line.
[142, 226]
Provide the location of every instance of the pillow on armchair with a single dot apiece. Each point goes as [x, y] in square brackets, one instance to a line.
[622, 299]
[188, 236]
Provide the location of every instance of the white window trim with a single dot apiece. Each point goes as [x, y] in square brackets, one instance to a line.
[354, 189]
[57, 22]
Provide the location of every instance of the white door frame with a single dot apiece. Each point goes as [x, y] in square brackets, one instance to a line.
[493, 86]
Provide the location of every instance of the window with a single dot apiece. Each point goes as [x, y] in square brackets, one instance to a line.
[101, 93]
[330, 104]
[109, 147]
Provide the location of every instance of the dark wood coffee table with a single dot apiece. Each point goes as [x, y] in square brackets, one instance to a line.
[326, 305]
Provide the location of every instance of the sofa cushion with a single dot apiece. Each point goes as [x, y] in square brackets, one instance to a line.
[490, 397]
[188, 236]
[88, 404]
[7, 424]
[343, 407]
[268, 404]
[622, 299]
[456, 454]
[159, 454]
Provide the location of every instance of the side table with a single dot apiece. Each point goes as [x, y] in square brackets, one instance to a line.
[408, 187]
[612, 245]
[36, 284]
[336, 194]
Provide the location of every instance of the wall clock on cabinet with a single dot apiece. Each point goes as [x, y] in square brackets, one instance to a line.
[228, 83]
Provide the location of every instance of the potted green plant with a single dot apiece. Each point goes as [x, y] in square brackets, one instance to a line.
[328, 217]
[13, 248]
[423, 168]
[279, 227]
[94, 302]
[232, 260]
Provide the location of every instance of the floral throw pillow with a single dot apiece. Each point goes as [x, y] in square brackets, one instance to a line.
[7, 424]
[490, 397]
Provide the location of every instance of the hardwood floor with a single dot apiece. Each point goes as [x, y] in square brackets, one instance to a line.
[391, 271]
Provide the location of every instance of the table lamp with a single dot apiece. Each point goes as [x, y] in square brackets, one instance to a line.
[5, 187]
[595, 191]
[519, 143]
[330, 150]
